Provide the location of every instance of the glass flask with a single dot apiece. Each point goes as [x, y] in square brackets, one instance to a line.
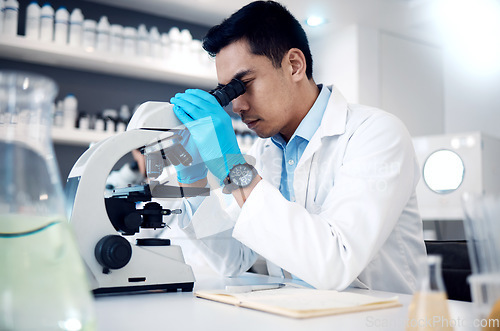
[429, 307]
[43, 283]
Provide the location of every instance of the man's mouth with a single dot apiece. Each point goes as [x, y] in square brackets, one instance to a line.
[250, 123]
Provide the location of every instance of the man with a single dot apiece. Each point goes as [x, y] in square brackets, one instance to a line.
[332, 197]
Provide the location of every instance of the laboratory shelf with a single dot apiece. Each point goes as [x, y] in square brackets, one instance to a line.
[78, 137]
[18, 48]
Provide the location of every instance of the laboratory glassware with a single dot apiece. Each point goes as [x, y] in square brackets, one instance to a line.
[428, 309]
[481, 225]
[43, 283]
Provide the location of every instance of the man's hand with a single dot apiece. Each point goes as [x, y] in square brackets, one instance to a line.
[197, 170]
[211, 130]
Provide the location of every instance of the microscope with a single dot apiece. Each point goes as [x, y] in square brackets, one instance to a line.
[104, 223]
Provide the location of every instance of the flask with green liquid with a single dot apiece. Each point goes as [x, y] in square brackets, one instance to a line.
[43, 284]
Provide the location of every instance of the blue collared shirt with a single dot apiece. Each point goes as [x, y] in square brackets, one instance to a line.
[293, 150]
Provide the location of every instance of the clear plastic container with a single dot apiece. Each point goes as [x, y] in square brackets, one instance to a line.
[165, 47]
[76, 28]
[124, 113]
[129, 41]
[43, 284]
[47, 23]
[83, 121]
[142, 41]
[70, 106]
[59, 114]
[61, 22]
[154, 43]
[482, 226]
[89, 35]
[103, 27]
[2, 4]
[116, 38]
[485, 293]
[175, 46]
[32, 27]
[10, 17]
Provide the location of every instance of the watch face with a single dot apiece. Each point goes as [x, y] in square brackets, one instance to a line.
[241, 175]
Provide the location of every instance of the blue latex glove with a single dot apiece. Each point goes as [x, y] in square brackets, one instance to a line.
[211, 129]
[197, 170]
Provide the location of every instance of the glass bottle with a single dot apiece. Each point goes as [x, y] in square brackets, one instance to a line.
[429, 307]
[43, 284]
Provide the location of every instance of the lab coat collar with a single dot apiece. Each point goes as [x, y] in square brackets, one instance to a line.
[311, 122]
[335, 116]
[333, 123]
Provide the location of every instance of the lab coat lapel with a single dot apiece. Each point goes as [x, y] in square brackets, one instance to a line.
[271, 163]
[333, 123]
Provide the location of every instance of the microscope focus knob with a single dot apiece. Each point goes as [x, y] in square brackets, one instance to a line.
[113, 252]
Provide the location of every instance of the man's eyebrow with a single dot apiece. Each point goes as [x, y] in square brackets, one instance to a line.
[242, 74]
[238, 76]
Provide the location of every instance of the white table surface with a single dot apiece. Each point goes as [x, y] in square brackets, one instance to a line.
[183, 311]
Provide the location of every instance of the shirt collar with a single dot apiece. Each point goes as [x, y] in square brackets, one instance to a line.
[311, 122]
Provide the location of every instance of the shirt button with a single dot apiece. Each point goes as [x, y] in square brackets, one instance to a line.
[290, 162]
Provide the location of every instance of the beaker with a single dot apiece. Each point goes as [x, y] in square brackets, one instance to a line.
[485, 293]
[428, 309]
[43, 283]
[481, 225]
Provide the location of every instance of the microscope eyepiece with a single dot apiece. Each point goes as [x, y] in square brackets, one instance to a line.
[224, 94]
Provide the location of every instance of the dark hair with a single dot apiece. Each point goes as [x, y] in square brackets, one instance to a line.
[270, 29]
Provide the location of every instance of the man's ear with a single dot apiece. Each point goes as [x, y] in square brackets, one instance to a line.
[296, 61]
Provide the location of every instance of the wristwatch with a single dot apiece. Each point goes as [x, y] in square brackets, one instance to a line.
[240, 176]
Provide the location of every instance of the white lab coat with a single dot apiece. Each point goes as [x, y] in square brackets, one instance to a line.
[355, 220]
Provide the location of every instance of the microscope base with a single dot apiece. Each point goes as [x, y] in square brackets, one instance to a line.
[140, 289]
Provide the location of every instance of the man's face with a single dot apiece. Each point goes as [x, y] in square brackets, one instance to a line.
[266, 106]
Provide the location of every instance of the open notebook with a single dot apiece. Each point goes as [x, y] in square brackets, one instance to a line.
[300, 302]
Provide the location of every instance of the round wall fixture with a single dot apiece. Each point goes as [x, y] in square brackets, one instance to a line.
[443, 171]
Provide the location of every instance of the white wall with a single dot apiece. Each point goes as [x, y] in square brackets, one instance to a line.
[375, 68]
[369, 66]
[472, 100]
[427, 87]
[335, 61]
[411, 83]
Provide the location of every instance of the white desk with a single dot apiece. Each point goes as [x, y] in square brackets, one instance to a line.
[183, 311]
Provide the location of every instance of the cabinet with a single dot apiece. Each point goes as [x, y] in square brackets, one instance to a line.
[100, 81]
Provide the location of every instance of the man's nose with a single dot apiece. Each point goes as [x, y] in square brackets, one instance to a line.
[239, 104]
